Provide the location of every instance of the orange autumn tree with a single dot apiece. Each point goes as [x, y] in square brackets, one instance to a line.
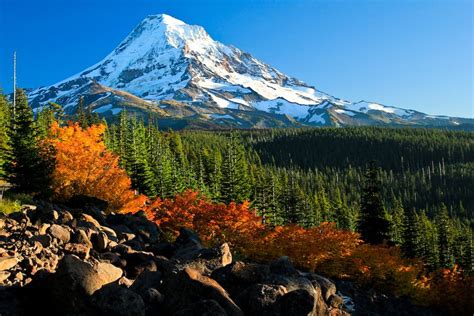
[214, 222]
[85, 167]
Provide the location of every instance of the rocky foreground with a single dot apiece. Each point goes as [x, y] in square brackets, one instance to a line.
[79, 261]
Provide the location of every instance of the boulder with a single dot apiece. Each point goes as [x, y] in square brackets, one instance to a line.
[8, 262]
[188, 245]
[65, 217]
[239, 275]
[194, 287]
[328, 288]
[200, 308]
[321, 307]
[45, 240]
[335, 301]
[137, 224]
[80, 250]
[258, 299]
[3, 276]
[114, 299]
[292, 283]
[59, 232]
[88, 277]
[89, 219]
[295, 303]
[152, 297]
[80, 236]
[113, 258]
[146, 280]
[100, 241]
[137, 262]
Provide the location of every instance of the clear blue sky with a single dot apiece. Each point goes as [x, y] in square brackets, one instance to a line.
[412, 54]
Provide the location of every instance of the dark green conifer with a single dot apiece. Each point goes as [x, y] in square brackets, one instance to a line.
[30, 166]
[373, 225]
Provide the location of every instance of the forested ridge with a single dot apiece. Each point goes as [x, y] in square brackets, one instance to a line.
[268, 192]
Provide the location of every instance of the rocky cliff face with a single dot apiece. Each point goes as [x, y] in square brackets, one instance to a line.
[80, 261]
[179, 72]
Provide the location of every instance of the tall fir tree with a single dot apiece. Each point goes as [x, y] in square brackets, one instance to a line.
[444, 237]
[343, 216]
[411, 236]
[235, 178]
[81, 115]
[397, 219]
[373, 224]
[30, 166]
[5, 148]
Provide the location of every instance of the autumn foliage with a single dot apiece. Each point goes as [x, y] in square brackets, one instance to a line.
[333, 252]
[85, 167]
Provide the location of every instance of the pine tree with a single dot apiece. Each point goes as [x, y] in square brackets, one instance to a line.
[92, 118]
[30, 167]
[373, 225]
[342, 215]
[142, 176]
[324, 205]
[428, 242]
[4, 135]
[235, 178]
[410, 245]
[44, 119]
[444, 237]
[397, 221]
[294, 202]
[81, 115]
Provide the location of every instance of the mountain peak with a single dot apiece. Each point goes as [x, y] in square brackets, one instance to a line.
[164, 59]
[164, 19]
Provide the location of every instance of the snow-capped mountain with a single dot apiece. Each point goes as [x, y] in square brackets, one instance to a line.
[179, 72]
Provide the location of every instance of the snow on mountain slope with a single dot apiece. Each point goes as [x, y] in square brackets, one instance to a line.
[166, 59]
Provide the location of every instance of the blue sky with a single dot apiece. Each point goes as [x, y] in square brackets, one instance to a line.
[408, 53]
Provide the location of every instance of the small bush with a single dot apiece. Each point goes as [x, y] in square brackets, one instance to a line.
[8, 206]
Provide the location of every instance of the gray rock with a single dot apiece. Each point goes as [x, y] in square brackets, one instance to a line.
[152, 297]
[60, 232]
[100, 241]
[80, 250]
[85, 276]
[295, 303]
[258, 299]
[146, 280]
[80, 237]
[203, 307]
[239, 275]
[44, 240]
[194, 287]
[335, 301]
[118, 300]
[4, 275]
[328, 288]
[7, 262]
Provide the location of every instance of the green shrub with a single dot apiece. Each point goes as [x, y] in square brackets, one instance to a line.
[12, 202]
[8, 206]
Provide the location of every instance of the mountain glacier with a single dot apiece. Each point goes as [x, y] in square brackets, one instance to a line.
[185, 78]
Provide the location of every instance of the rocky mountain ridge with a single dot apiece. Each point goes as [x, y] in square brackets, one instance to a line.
[179, 73]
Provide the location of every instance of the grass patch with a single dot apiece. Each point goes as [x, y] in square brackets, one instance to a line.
[8, 206]
[12, 202]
